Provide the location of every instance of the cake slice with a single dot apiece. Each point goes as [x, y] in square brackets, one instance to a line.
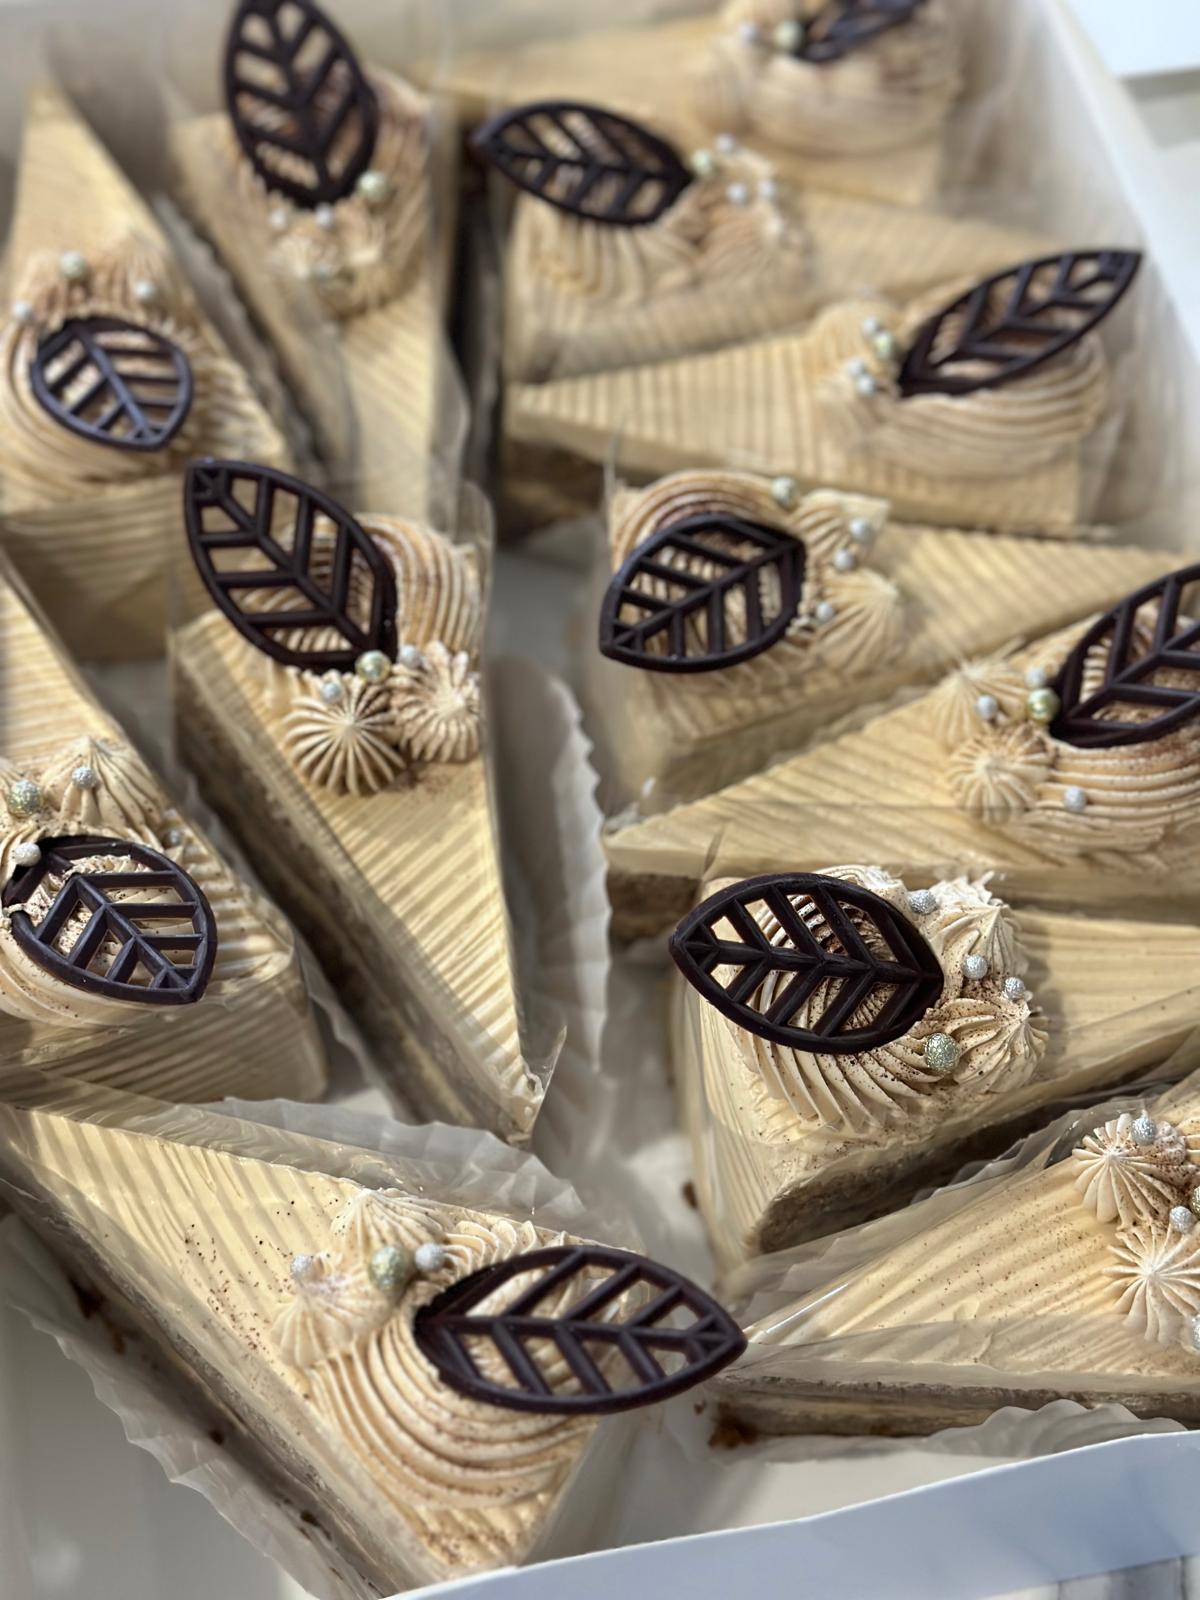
[851, 605]
[845, 1037]
[1073, 1277]
[974, 405]
[112, 377]
[324, 187]
[415, 1371]
[328, 697]
[1071, 768]
[130, 953]
[862, 113]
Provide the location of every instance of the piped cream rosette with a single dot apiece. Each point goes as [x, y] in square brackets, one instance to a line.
[99, 786]
[997, 1035]
[1025, 424]
[895, 91]
[363, 250]
[137, 282]
[362, 731]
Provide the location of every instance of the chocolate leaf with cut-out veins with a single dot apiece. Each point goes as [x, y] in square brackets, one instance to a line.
[113, 382]
[1118, 688]
[300, 104]
[857, 970]
[575, 1329]
[140, 931]
[307, 596]
[1015, 321]
[586, 161]
[843, 26]
[707, 592]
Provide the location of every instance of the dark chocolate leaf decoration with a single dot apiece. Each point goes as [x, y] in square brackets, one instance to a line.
[703, 593]
[586, 161]
[113, 382]
[1016, 321]
[310, 593]
[844, 26]
[1135, 674]
[852, 968]
[575, 1329]
[300, 104]
[141, 930]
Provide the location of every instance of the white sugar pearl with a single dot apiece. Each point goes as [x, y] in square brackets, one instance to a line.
[703, 163]
[871, 326]
[768, 190]
[738, 194]
[279, 218]
[750, 33]
[861, 529]
[788, 35]
[858, 368]
[303, 1268]
[22, 312]
[27, 854]
[372, 185]
[332, 691]
[844, 560]
[866, 384]
[785, 491]
[725, 144]
[85, 777]
[324, 217]
[987, 707]
[431, 1257]
[1075, 800]
[145, 291]
[1036, 678]
[975, 968]
[410, 656]
[73, 265]
[825, 611]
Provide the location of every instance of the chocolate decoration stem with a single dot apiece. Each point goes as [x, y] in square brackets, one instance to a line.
[113, 383]
[120, 937]
[586, 161]
[299, 102]
[1016, 321]
[843, 26]
[861, 968]
[623, 1317]
[1116, 664]
[341, 586]
[702, 594]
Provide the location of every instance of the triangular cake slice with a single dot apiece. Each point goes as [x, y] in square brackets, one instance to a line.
[937, 1021]
[89, 474]
[337, 1316]
[873, 397]
[348, 751]
[1011, 765]
[342, 251]
[1074, 1277]
[130, 953]
[853, 606]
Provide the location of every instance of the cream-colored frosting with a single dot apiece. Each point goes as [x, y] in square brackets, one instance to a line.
[1028, 422]
[894, 91]
[757, 244]
[348, 744]
[44, 455]
[436, 700]
[359, 253]
[1157, 1277]
[868, 626]
[424, 1442]
[1001, 1040]
[1012, 774]
[1122, 1181]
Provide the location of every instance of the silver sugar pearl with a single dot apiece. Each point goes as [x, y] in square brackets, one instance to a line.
[26, 854]
[22, 312]
[844, 560]
[825, 611]
[23, 798]
[738, 194]
[725, 144]
[145, 291]
[410, 656]
[871, 326]
[1043, 705]
[987, 707]
[1075, 800]
[73, 265]
[372, 185]
[922, 901]
[858, 368]
[389, 1268]
[331, 691]
[1144, 1131]
[173, 838]
[280, 218]
[323, 217]
[941, 1052]
[703, 163]
[1036, 677]
[373, 665]
[785, 492]
[975, 968]
[1182, 1219]
[866, 385]
[788, 35]
[750, 33]
[1196, 1333]
[861, 529]
[85, 777]
[1014, 989]
[302, 1268]
[431, 1257]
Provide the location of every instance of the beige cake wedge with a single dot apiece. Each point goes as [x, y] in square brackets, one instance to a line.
[976, 404]
[298, 1295]
[852, 605]
[1074, 1277]
[112, 376]
[337, 227]
[1071, 769]
[862, 117]
[130, 954]
[329, 700]
[841, 1039]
